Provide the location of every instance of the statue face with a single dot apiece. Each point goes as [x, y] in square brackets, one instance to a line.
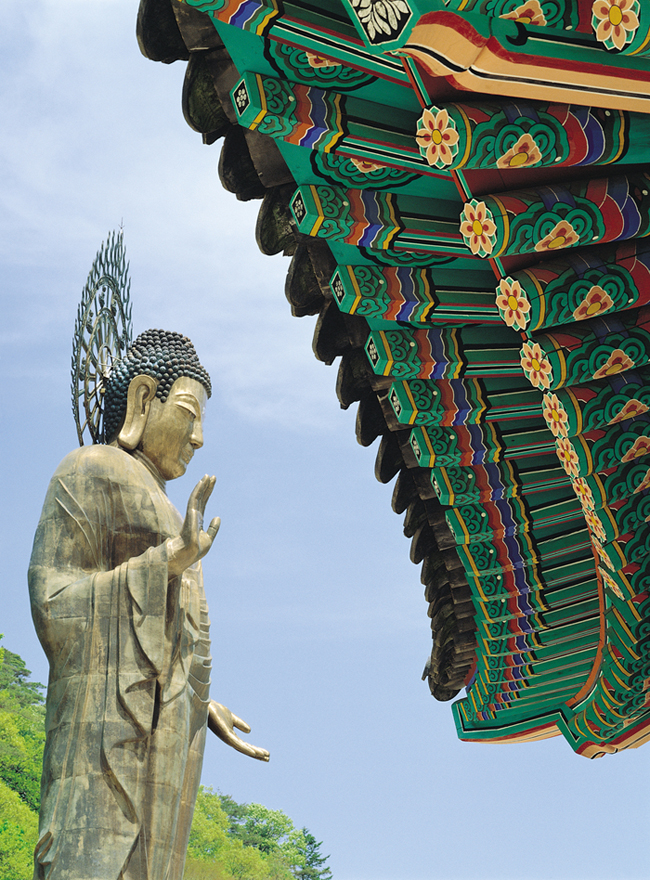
[174, 429]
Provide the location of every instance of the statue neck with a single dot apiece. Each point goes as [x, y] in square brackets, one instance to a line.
[151, 467]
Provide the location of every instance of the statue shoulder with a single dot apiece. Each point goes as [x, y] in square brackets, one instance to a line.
[98, 462]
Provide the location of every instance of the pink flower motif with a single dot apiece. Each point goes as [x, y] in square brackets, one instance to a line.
[561, 236]
[522, 154]
[603, 555]
[437, 137]
[617, 362]
[594, 525]
[555, 415]
[320, 60]
[478, 228]
[568, 456]
[631, 410]
[644, 484]
[512, 303]
[536, 365]
[615, 21]
[529, 13]
[596, 302]
[584, 493]
[364, 166]
[611, 583]
[641, 446]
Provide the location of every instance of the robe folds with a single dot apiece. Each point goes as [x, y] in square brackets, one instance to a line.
[129, 656]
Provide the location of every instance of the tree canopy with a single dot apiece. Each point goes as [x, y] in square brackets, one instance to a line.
[22, 737]
[227, 840]
[232, 835]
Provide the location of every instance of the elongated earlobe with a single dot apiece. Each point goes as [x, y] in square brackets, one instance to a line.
[142, 391]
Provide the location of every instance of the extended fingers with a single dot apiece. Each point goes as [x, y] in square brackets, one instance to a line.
[213, 528]
[240, 724]
[260, 754]
[249, 749]
[201, 493]
[193, 500]
[207, 485]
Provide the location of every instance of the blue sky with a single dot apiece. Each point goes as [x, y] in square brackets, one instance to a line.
[320, 630]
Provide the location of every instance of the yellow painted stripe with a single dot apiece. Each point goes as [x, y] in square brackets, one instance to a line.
[357, 291]
[319, 209]
[412, 402]
[445, 478]
[336, 139]
[262, 113]
[460, 520]
[392, 213]
[540, 295]
[506, 233]
[627, 631]
[387, 353]
[432, 455]
[468, 139]
[261, 27]
[616, 660]
[576, 405]
[642, 46]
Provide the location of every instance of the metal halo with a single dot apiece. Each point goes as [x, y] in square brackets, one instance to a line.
[102, 335]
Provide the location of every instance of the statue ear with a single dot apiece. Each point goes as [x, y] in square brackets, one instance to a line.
[142, 391]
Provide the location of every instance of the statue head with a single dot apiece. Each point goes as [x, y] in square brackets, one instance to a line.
[154, 400]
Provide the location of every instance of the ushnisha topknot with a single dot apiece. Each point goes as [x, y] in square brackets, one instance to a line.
[161, 354]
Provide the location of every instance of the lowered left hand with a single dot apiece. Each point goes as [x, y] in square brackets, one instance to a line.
[223, 722]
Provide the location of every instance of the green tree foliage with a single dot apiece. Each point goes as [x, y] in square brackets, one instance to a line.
[18, 836]
[267, 830]
[227, 840]
[21, 749]
[22, 733]
[251, 841]
[236, 813]
[214, 852]
[313, 864]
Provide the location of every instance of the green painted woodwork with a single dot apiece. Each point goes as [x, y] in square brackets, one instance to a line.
[351, 216]
[321, 120]
[537, 453]
[511, 135]
[294, 64]
[613, 400]
[398, 293]
[474, 523]
[372, 292]
[415, 354]
[558, 217]
[275, 108]
[466, 485]
[579, 286]
[439, 353]
[422, 402]
[461, 402]
[562, 14]
[589, 350]
[259, 13]
[459, 445]
[603, 450]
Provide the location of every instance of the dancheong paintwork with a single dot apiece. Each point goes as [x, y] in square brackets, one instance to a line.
[463, 188]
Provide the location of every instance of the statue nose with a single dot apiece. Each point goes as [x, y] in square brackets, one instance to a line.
[197, 435]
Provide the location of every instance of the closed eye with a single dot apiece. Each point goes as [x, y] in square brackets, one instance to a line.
[188, 409]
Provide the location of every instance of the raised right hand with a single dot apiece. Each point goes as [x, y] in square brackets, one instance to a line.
[193, 543]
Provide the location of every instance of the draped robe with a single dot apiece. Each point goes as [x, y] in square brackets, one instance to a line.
[129, 656]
